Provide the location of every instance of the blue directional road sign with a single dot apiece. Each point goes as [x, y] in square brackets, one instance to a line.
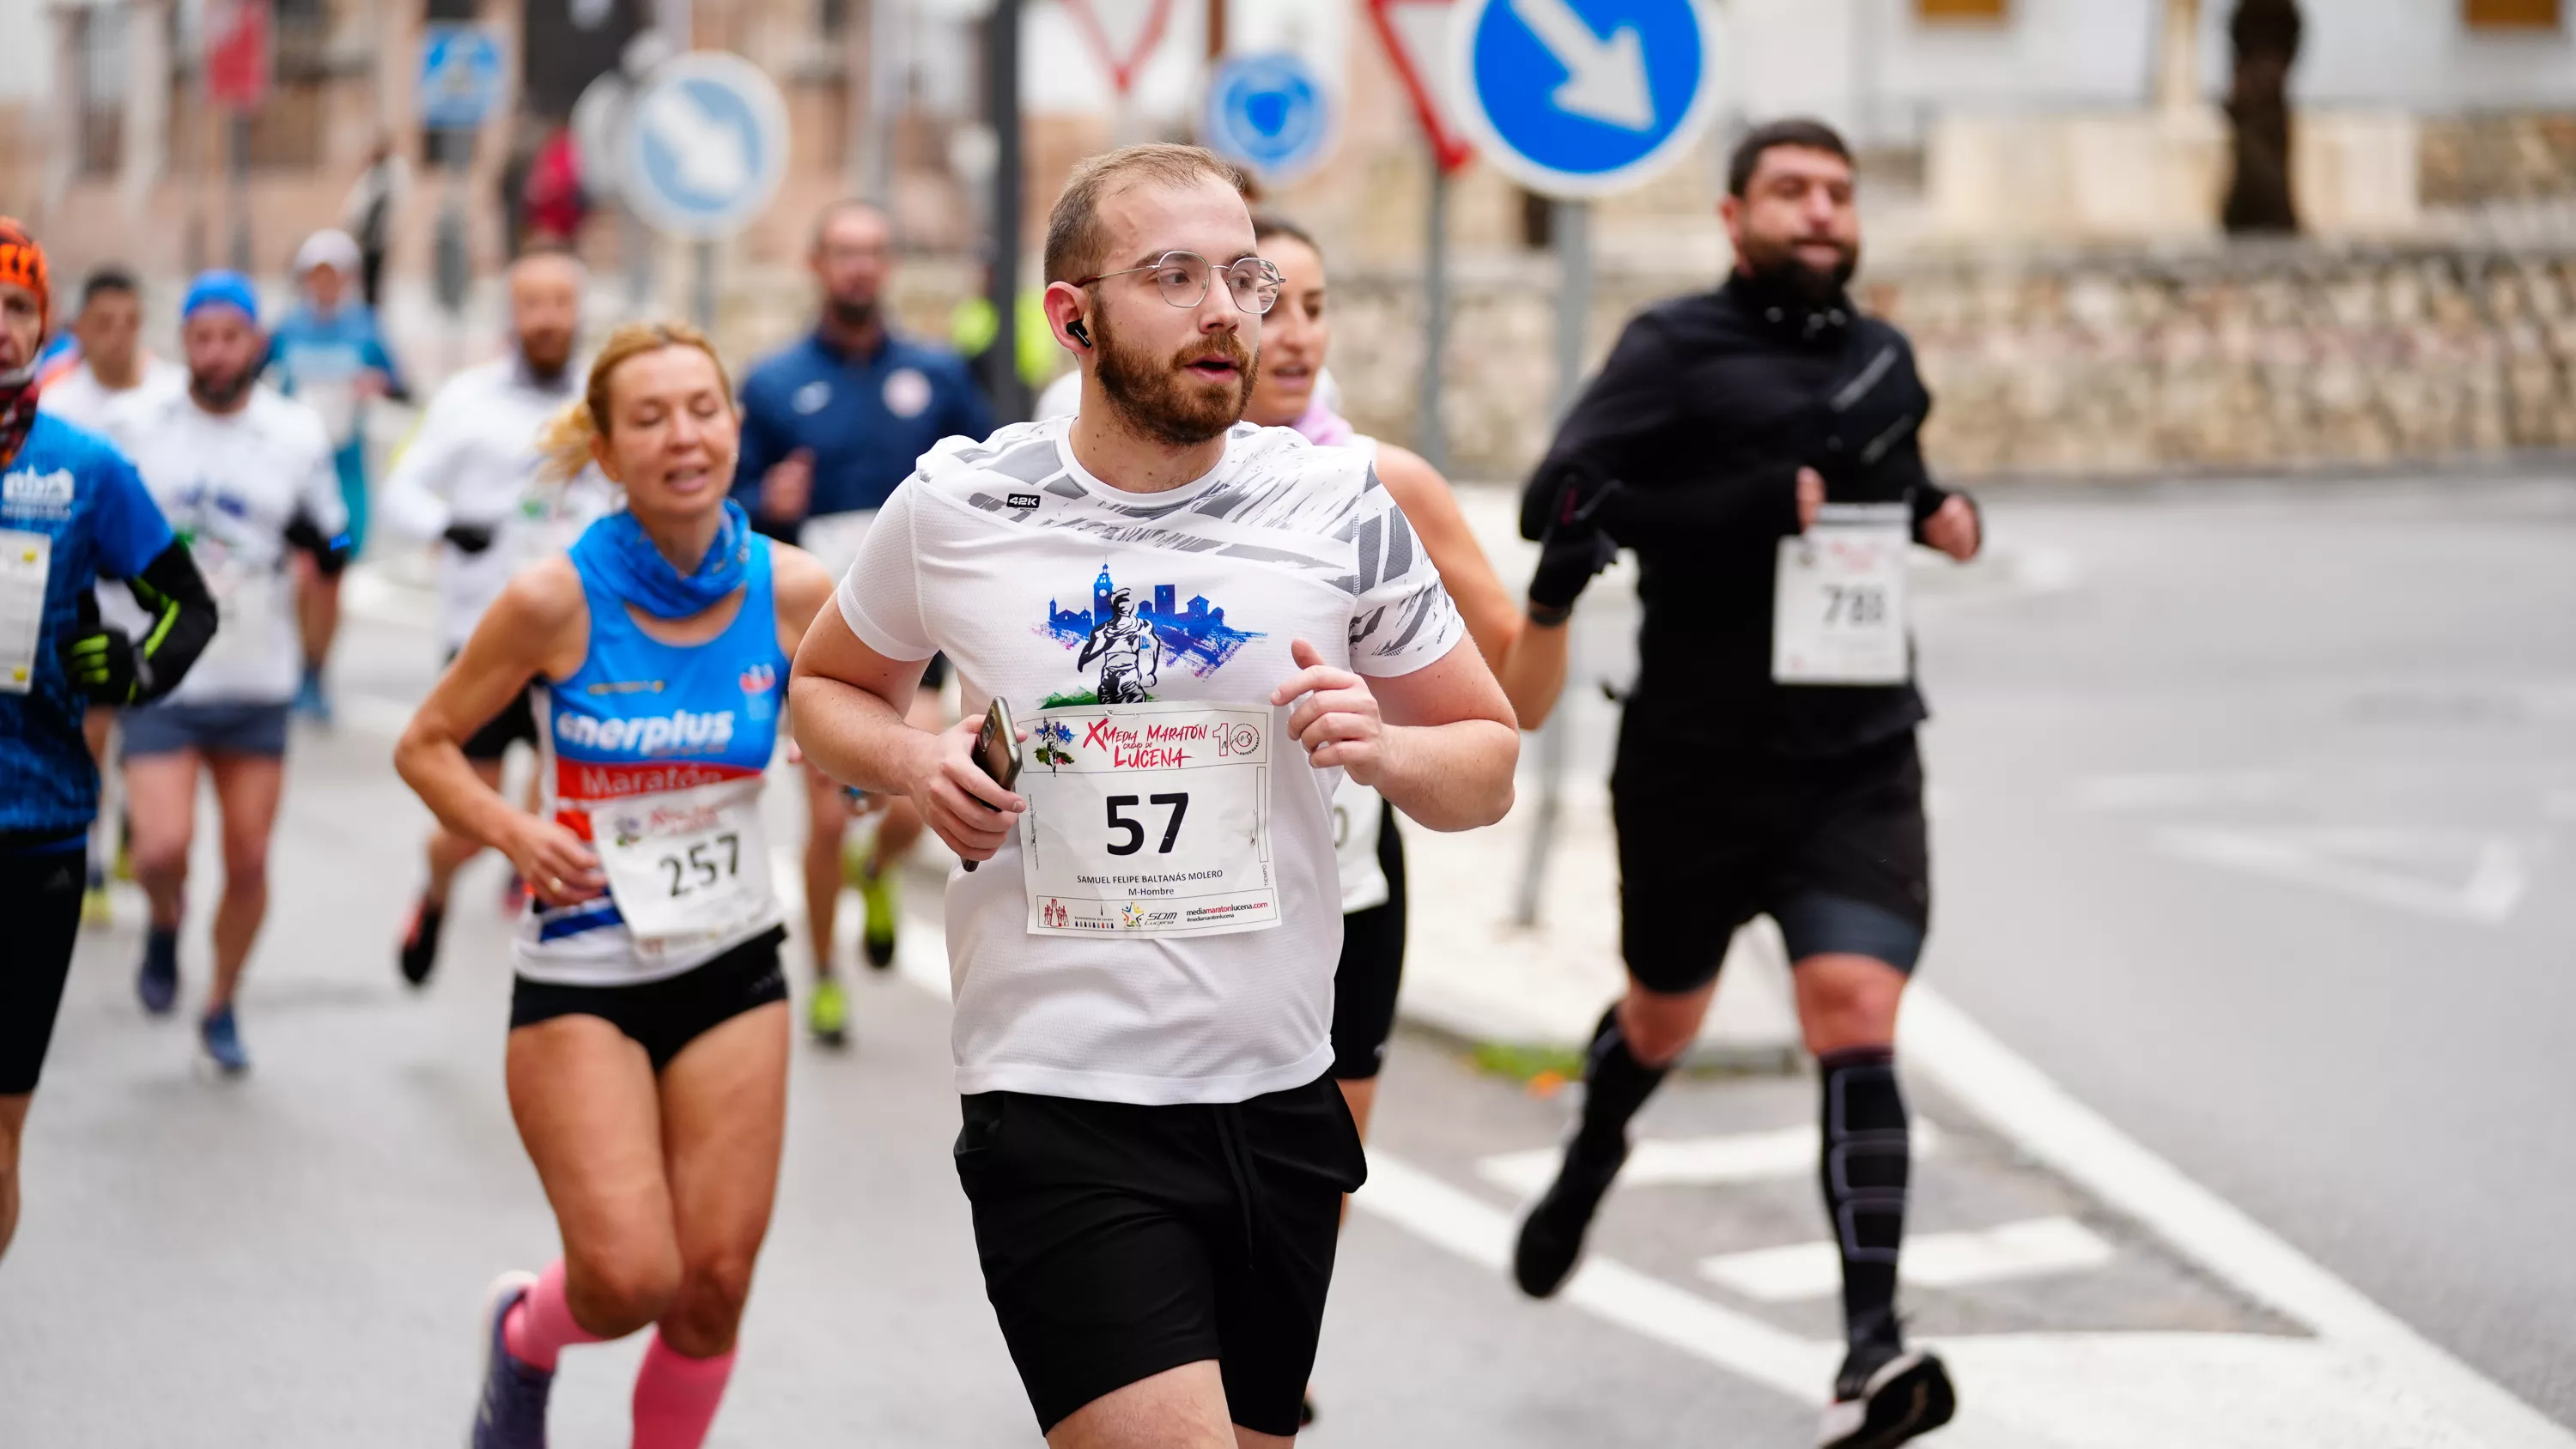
[705, 145]
[460, 75]
[1579, 98]
[1271, 112]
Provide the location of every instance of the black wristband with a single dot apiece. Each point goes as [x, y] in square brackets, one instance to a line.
[1549, 616]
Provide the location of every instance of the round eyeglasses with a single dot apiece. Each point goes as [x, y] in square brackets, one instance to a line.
[1182, 278]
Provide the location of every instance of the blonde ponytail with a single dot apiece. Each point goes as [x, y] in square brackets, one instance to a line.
[571, 437]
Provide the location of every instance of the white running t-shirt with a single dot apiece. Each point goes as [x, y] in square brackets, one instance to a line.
[79, 398]
[1008, 557]
[230, 484]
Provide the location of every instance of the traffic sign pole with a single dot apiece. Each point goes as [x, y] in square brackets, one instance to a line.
[1432, 428]
[1571, 223]
[1576, 99]
[1002, 279]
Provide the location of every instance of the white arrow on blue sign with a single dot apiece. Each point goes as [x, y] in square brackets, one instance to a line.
[1579, 98]
[705, 145]
[1271, 112]
[460, 75]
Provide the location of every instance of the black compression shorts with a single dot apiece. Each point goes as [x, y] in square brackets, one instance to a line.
[1372, 967]
[517, 722]
[666, 1015]
[40, 899]
[1833, 848]
[1121, 1241]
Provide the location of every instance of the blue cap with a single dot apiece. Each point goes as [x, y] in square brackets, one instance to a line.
[220, 289]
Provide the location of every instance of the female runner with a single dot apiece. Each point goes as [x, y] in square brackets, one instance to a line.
[647, 1061]
[1294, 338]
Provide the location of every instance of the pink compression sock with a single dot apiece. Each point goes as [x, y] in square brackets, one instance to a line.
[539, 1328]
[676, 1396]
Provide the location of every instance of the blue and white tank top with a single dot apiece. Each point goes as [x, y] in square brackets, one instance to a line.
[649, 729]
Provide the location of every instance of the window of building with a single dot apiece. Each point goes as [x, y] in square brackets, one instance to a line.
[98, 58]
[1963, 9]
[2513, 14]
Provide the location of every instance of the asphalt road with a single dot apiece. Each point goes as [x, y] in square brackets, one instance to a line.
[2243, 813]
[2250, 811]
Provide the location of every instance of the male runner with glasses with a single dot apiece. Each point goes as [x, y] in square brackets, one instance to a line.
[1153, 1145]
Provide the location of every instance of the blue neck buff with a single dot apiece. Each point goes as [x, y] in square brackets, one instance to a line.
[620, 555]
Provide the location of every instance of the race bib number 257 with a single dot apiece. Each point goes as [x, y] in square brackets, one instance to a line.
[1151, 819]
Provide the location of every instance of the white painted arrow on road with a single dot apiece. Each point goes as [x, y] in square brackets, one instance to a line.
[1605, 80]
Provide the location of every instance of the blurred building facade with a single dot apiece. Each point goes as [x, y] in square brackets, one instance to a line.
[2017, 154]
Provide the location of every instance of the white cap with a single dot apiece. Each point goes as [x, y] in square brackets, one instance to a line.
[331, 248]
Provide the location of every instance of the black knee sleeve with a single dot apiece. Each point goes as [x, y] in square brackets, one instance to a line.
[1867, 1160]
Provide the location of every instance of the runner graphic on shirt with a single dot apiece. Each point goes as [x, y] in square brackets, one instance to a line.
[1129, 653]
[1131, 640]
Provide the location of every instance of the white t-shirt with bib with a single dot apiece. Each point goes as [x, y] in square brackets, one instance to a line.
[1048, 587]
[230, 484]
[474, 460]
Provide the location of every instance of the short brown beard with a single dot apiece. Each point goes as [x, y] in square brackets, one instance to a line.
[1152, 399]
[220, 398]
[1779, 264]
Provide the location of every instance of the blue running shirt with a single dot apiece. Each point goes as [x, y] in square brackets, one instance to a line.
[84, 499]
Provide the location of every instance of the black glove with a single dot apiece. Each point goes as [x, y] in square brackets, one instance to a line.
[1572, 548]
[470, 537]
[99, 658]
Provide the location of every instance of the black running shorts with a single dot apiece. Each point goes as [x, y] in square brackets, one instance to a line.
[664, 1016]
[516, 723]
[40, 899]
[1120, 1241]
[1364, 985]
[1832, 848]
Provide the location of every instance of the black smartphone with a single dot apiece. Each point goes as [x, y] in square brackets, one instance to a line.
[997, 748]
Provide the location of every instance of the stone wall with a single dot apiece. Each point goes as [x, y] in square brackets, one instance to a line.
[2262, 359]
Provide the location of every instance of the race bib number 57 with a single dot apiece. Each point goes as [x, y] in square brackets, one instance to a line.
[1151, 819]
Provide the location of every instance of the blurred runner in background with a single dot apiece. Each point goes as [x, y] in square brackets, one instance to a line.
[829, 428]
[468, 480]
[111, 363]
[368, 215]
[72, 511]
[245, 477]
[328, 354]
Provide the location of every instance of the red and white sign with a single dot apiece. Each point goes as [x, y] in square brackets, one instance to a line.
[1416, 36]
[237, 53]
[1122, 33]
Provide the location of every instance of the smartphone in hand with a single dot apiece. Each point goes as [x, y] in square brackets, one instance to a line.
[997, 748]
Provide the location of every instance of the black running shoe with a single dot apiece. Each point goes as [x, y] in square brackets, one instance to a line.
[1552, 1235]
[419, 953]
[1886, 1396]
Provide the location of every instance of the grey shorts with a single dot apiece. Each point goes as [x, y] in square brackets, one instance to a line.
[212, 729]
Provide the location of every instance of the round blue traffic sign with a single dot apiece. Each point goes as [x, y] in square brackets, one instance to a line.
[1270, 112]
[705, 145]
[1583, 97]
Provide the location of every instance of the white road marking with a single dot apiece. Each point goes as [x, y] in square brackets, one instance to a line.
[2459, 875]
[2035, 1391]
[2031, 1249]
[2078, 1143]
[1690, 1161]
[2198, 789]
[1482, 1234]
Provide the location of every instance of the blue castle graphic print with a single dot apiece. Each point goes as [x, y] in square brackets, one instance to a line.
[1193, 635]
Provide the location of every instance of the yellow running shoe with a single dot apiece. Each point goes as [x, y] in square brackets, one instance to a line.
[876, 892]
[97, 912]
[827, 1013]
